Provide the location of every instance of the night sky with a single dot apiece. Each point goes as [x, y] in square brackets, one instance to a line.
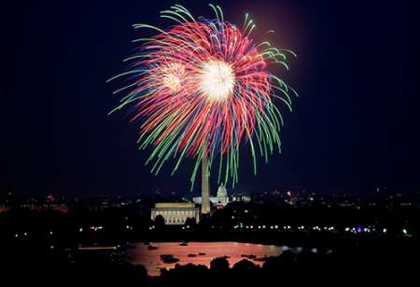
[350, 130]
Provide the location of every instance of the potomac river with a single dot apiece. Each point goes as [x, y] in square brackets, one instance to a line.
[197, 253]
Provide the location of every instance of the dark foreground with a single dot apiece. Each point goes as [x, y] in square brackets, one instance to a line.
[362, 260]
[46, 248]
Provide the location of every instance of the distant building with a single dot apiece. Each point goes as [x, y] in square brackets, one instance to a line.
[241, 198]
[219, 201]
[176, 213]
[222, 196]
[61, 207]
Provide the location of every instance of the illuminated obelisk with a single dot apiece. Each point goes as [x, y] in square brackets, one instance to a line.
[205, 186]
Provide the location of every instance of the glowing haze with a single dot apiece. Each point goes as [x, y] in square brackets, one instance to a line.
[217, 80]
[201, 88]
[173, 75]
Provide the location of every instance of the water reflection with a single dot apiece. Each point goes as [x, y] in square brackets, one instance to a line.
[198, 253]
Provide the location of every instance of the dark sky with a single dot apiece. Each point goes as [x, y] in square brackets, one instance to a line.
[349, 132]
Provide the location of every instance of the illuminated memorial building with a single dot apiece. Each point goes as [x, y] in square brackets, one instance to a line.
[176, 213]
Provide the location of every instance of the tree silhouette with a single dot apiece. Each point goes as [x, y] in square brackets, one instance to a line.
[245, 265]
[160, 222]
[220, 263]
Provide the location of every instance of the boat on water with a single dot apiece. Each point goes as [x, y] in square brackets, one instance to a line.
[183, 243]
[192, 255]
[151, 247]
[249, 256]
[201, 253]
[168, 258]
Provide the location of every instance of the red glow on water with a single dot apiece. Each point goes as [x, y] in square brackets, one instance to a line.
[152, 261]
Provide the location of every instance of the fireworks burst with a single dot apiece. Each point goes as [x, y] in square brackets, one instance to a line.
[201, 88]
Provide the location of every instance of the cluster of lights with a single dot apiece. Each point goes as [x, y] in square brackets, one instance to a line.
[24, 234]
[256, 226]
[370, 229]
[360, 229]
[354, 230]
[323, 228]
[94, 228]
[286, 227]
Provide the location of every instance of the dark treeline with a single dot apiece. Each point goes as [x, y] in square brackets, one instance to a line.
[232, 223]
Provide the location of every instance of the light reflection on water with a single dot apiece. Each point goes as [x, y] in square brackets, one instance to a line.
[152, 261]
